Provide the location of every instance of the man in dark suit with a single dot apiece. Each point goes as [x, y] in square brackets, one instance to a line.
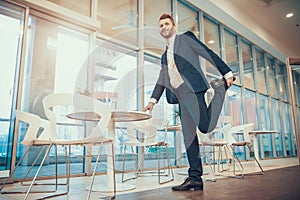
[185, 83]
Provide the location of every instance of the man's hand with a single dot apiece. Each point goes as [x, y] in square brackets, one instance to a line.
[230, 81]
[148, 107]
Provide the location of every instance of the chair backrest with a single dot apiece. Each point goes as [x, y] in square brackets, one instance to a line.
[244, 129]
[76, 103]
[35, 124]
[148, 127]
[218, 134]
[224, 120]
[203, 138]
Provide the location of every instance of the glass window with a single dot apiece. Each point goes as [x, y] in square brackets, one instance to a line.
[277, 126]
[83, 7]
[114, 66]
[265, 141]
[247, 64]
[234, 97]
[251, 107]
[231, 53]
[212, 41]
[55, 63]
[118, 19]
[271, 77]
[187, 20]
[116, 84]
[11, 29]
[264, 113]
[282, 80]
[153, 9]
[287, 125]
[296, 82]
[261, 72]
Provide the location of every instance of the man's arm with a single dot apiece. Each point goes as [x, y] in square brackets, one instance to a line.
[202, 50]
[157, 91]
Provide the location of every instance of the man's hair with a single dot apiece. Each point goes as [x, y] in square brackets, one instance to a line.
[167, 16]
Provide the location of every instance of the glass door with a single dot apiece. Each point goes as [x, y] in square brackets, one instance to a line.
[11, 24]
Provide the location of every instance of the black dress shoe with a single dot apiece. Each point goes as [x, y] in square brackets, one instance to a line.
[189, 184]
[220, 82]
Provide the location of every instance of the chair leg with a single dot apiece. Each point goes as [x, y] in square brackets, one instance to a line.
[37, 173]
[24, 179]
[235, 158]
[261, 169]
[68, 175]
[170, 170]
[56, 184]
[124, 159]
[114, 171]
[31, 167]
[207, 154]
[135, 163]
[13, 172]
[94, 172]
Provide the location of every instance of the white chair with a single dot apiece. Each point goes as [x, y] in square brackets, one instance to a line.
[233, 144]
[149, 129]
[37, 134]
[57, 106]
[211, 141]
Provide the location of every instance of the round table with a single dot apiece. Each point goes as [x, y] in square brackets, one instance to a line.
[117, 116]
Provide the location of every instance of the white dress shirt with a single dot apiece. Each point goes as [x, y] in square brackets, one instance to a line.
[175, 77]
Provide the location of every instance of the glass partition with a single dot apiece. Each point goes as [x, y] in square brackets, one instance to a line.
[234, 98]
[118, 17]
[277, 125]
[282, 80]
[296, 79]
[287, 129]
[265, 141]
[212, 41]
[261, 72]
[54, 64]
[116, 85]
[153, 40]
[271, 76]
[231, 53]
[187, 19]
[11, 32]
[247, 64]
[251, 115]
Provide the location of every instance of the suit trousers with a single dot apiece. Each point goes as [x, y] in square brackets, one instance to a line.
[195, 113]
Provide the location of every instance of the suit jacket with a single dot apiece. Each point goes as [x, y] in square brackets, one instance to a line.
[187, 49]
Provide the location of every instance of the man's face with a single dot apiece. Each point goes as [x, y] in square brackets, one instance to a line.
[166, 28]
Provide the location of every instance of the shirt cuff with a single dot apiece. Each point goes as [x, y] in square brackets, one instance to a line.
[153, 100]
[228, 75]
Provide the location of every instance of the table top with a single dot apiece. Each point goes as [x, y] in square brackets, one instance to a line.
[263, 132]
[174, 128]
[84, 116]
[128, 116]
[117, 116]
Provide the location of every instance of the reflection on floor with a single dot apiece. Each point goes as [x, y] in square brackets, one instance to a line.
[79, 184]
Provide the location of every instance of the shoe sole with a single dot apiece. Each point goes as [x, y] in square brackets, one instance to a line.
[195, 188]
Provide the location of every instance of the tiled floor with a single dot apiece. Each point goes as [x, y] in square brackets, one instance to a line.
[79, 185]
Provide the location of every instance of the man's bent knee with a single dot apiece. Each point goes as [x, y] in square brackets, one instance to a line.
[205, 128]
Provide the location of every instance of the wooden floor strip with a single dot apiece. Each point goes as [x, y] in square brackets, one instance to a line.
[278, 184]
